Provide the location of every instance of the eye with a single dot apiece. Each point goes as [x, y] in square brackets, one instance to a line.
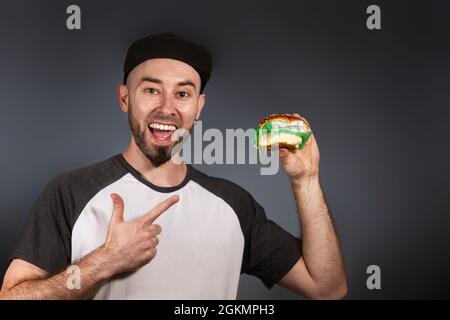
[150, 90]
[183, 94]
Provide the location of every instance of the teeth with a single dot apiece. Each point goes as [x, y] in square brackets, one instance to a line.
[159, 126]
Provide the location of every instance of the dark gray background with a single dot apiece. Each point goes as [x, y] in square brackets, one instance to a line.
[377, 100]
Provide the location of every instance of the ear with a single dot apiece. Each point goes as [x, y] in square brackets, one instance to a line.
[122, 96]
[201, 103]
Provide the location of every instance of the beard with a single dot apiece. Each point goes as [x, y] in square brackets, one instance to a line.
[157, 155]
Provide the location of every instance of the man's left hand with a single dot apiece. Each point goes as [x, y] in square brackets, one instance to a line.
[302, 164]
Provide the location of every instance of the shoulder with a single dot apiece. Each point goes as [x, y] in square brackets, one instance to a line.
[90, 176]
[72, 189]
[235, 195]
[67, 193]
[218, 184]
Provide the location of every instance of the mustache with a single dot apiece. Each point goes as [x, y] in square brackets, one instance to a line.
[164, 118]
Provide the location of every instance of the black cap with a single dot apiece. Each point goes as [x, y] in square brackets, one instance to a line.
[172, 46]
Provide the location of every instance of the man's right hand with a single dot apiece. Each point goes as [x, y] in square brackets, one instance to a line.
[129, 246]
[132, 244]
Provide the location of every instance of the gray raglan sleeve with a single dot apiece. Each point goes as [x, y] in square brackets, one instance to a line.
[270, 251]
[46, 237]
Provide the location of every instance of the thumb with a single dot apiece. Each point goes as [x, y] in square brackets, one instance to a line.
[283, 153]
[118, 208]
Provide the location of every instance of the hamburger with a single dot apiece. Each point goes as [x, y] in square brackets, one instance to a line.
[284, 131]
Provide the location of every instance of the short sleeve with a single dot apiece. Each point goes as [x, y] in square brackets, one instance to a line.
[270, 251]
[46, 237]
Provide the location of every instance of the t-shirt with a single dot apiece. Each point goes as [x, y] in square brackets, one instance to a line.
[215, 232]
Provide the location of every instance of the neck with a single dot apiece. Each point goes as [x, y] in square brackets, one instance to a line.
[168, 174]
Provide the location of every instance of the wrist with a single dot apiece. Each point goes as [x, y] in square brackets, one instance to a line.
[105, 262]
[305, 181]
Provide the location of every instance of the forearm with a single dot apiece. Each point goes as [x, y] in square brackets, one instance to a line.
[93, 273]
[320, 244]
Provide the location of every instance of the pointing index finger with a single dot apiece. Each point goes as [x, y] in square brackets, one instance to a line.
[159, 209]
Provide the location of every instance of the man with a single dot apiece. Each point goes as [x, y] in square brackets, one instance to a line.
[138, 226]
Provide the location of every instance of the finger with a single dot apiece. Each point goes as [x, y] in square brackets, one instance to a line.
[118, 208]
[309, 141]
[153, 232]
[160, 208]
[284, 152]
[154, 229]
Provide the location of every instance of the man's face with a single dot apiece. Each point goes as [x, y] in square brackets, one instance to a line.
[163, 95]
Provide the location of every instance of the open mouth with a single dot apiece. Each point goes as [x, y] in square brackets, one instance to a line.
[161, 133]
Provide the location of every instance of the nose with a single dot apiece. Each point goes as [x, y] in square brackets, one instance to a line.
[167, 105]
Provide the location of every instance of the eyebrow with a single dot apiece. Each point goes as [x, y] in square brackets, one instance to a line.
[179, 84]
[150, 79]
[187, 83]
